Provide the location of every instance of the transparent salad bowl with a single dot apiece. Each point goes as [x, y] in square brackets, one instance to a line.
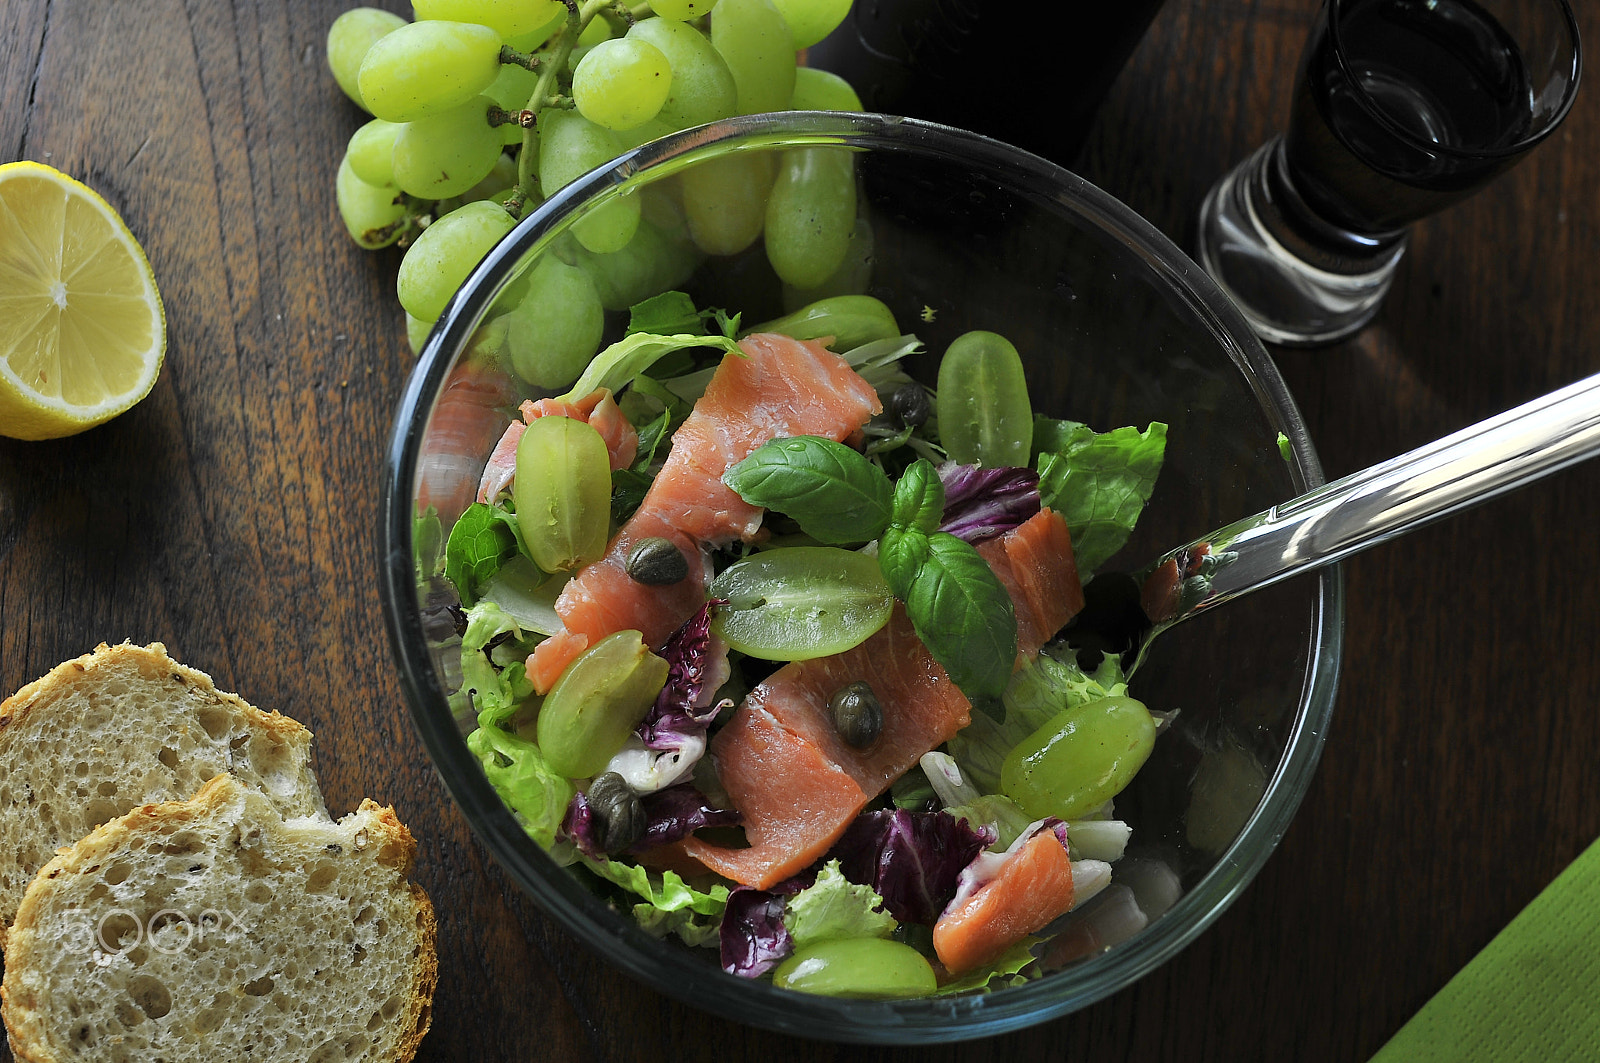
[1116, 327]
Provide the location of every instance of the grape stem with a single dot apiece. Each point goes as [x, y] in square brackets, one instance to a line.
[525, 60]
[499, 116]
[544, 93]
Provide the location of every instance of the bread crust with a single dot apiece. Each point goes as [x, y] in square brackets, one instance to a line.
[65, 688]
[221, 801]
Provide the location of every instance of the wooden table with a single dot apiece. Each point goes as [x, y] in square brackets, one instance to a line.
[233, 515]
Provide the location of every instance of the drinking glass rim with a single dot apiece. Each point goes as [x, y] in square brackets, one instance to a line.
[1377, 111]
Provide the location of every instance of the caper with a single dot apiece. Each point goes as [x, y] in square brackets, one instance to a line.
[910, 404]
[857, 714]
[619, 811]
[657, 562]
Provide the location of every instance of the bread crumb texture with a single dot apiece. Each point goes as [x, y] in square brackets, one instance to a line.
[122, 727]
[217, 929]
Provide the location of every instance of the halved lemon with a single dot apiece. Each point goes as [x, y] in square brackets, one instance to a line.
[82, 331]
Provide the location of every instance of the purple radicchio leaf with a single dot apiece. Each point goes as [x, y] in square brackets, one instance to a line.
[913, 859]
[754, 939]
[677, 812]
[689, 654]
[981, 503]
[580, 827]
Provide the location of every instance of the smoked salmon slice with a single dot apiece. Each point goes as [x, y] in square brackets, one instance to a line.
[776, 387]
[1030, 890]
[792, 818]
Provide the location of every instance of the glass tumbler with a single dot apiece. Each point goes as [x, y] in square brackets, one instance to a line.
[1400, 108]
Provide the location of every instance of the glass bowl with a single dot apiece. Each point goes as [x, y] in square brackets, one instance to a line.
[1116, 326]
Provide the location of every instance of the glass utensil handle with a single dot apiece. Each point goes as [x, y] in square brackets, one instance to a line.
[1394, 497]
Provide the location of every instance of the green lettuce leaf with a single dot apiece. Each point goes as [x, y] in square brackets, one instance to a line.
[665, 314]
[497, 690]
[665, 891]
[1098, 481]
[482, 540]
[835, 907]
[1036, 694]
[619, 363]
[529, 787]
[997, 811]
[692, 928]
[427, 537]
[1006, 971]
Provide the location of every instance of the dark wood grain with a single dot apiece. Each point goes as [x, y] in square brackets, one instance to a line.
[233, 515]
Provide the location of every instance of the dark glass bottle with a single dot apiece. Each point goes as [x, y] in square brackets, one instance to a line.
[989, 67]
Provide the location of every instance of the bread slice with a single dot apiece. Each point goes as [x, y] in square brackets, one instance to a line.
[122, 727]
[216, 929]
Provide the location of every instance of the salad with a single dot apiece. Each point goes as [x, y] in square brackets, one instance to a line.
[765, 635]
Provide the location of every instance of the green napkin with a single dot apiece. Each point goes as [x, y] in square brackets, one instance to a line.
[1532, 994]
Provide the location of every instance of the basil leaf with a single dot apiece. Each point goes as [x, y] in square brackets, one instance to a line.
[650, 439]
[958, 607]
[630, 485]
[918, 498]
[479, 544]
[901, 555]
[666, 314]
[964, 616]
[1098, 481]
[832, 492]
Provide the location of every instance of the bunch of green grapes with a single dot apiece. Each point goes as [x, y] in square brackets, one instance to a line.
[484, 108]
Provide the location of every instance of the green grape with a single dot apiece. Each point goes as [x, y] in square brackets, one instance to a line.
[1082, 758]
[864, 968]
[555, 330]
[440, 259]
[608, 688]
[349, 38]
[417, 331]
[570, 146]
[661, 204]
[371, 152]
[621, 83]
[985, 417]
[596, 31]
[653, 262]
[725, 201]
[812, 20]
[501, 180]
[853, 277]
[811, 214]
[822, 90]
[508, 18]
[703, 88]
[443, 155]
[534, 38]
[563, 492]
[643, 133]
[367, 209]
[512, 90]
[800, 602]
[426, 68]
[753, 38]
[682, 10]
